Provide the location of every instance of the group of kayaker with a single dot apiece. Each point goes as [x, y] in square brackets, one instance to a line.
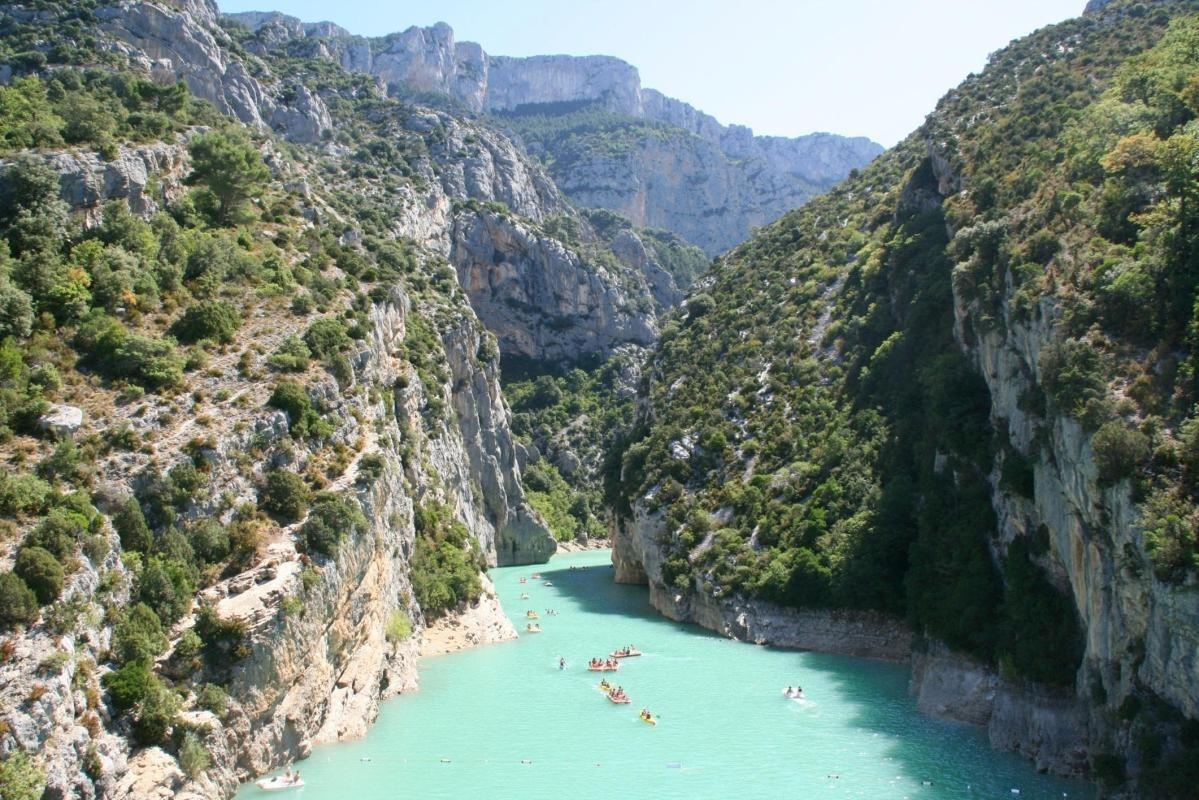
[617, 694]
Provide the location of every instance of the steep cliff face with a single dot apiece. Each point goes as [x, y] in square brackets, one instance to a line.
[707, 182]
[184, 42]
[540, 298]
[941, 394]
[464, 164]
[545, 298]
[319, 658]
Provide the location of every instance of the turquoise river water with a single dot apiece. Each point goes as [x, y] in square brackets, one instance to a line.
[504, 722]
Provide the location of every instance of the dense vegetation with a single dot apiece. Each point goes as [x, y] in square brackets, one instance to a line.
[446, 561]
[574, 421]
[151, 319]
[565, 134]
[841, 453]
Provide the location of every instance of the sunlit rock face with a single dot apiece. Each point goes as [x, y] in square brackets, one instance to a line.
[709, 183]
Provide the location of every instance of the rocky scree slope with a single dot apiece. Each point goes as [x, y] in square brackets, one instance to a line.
[958, 391]
[607, 142]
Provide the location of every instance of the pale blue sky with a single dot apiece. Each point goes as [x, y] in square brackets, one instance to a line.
[857, 67]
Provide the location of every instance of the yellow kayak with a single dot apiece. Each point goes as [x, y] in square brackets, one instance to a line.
[650, 720]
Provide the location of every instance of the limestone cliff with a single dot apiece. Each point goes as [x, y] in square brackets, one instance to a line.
[318, 661]
[707, 182]
[923, 388]
[466, 165]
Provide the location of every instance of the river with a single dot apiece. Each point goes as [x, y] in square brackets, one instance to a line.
[504, 722]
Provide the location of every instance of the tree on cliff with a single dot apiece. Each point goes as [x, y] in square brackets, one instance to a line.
[230, 168]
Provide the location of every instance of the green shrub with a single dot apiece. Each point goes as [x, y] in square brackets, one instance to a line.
[166, 587]
[1039, 631]
[1119, 451]
[211, 697]
[331, 520]
[1171, 527]
[109, 347]
[292, 355]
[326, 337]
[1018, 475]
[131, 526]
[399, 626]
[64, 464]
[21, 778]
[129, 684]
[41, 572]
[284, 495]
[193, 755]
[209, 541]
[211, 319]
[224, 639]
[18, 603]
[23, 494]
[370, 468]
[59, 533]
[1070, 374]
[156, 715]
[445, 563]
[292, 399]
[229, 165]
[138, 636]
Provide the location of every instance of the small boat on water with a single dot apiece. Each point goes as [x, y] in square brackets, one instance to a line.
[524, 580]
[531, 614]
[279, 783]
[793, 693]
[619, 698]
[548, 583]
[628, 652]
[648, 718]
[524, 595]
[533, 627]
[603, 666]
[536, 576]
[604, 686]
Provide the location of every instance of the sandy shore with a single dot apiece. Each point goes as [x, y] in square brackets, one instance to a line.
[580, 547]
[484, 622]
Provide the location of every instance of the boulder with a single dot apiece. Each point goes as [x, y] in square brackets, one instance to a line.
[61, 420]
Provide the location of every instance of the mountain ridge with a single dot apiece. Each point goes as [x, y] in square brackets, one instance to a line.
[764, 175]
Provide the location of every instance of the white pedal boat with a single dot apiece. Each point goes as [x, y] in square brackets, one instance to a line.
[278, 783]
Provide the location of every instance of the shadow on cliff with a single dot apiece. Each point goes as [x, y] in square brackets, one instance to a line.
[594, 589]
[921, 746]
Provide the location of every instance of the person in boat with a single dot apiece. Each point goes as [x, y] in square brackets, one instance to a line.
[295, 777]
[561, 662]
